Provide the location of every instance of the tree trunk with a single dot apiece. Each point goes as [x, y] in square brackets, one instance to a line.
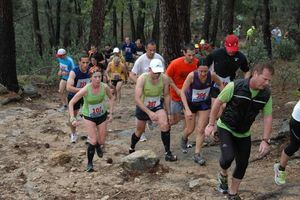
[215, 22]
[8, 74]
[169, 30]
[97, 23]
[122, 27]
[78, 20]
[266, 27]
[221, 19]
[155, 31]
[228, 16]
[183, 9]
[132, 25]
[49, 16]
[57, 35]
[140, 23]
[36, 27]
[67, 29]
[115, 21]
[206, 22]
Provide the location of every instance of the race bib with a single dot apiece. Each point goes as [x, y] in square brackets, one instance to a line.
[116, 76]
[63, 67]
[200, 95]
[82, 82]
[151, 102]
[96, 110]
[225, 81]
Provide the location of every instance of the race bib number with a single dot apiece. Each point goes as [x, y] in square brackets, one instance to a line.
[82, 82]
[96, 110]
[151, 102]
[225, 81]
[200, 95]
[63, 67]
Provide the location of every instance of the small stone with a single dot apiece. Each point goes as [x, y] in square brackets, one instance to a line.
[137, 180]
[73, 169]
[47, 146]
[109, 160]
[105, 197]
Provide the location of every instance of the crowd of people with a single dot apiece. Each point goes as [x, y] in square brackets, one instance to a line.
[200, 87]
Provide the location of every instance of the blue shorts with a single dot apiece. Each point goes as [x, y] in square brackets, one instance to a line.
[141, 115]
[176, 107]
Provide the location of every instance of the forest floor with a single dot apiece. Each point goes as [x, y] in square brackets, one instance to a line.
[37, 160]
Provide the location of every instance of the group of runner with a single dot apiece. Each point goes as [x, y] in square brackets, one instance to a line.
[201, 91]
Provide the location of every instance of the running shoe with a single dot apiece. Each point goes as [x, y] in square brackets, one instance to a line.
[89, 167]
[131, 150]
[183, 145]
[143, 138]
[170, 157]
[73, 137]
[222, 184]
[199, 159]
[279, 175]
[233, 197]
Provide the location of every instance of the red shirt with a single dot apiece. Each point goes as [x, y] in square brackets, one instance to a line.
[178, 70]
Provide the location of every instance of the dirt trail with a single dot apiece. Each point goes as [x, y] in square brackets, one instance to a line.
[37, 160]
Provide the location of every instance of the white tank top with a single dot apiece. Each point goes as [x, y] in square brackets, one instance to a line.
[296, 112]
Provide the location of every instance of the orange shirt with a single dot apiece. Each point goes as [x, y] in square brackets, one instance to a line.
[178, 70]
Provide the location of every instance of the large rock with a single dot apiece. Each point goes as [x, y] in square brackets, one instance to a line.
[3, 89]
[60, 158]
[30, 91]
[284, 129]
[142, 160]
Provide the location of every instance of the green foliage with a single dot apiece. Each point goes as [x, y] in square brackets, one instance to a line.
[286, 49]
[255, 51]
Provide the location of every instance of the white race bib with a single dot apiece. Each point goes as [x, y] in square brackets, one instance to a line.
[225, 81]
[82, 82]
[63, 67]
[151, 102]
[200, 95]
[96, 110]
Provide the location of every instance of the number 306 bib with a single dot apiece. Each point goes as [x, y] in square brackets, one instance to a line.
[152, 102]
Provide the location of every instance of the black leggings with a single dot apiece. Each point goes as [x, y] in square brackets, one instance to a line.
[234, 148]
[294, 138]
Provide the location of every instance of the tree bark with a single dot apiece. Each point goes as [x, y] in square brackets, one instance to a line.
[228, 15]
[122, 27]
[8, 73]
[140, 23]
[266, 27]
[169, 30]
[77, 8]
[50, 24]
[115, 21]
[57, 35]
[97, 23]
[183, 20]
[132, 24]
[215, 22]
[207, 18]
[36, 27]
[156, 30]
[67, 29]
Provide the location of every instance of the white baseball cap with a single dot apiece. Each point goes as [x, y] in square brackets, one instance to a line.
[116, 50]
[61, 52]
[156, 65]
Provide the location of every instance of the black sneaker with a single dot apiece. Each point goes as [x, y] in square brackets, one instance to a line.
[183, 145]
[233, 197]
[223, 184]
[89, 167]
[170, 157]
[199, 159]
[131, 150]
[99, 151]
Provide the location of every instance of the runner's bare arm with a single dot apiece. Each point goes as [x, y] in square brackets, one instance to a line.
[124, 70]
[172, 84]
[188, 81]
[138, 94]
[166, 94]
[247, 74]
[264, 146]
[70, 83]
[215, 78]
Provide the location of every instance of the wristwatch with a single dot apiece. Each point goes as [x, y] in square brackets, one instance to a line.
[268, 141]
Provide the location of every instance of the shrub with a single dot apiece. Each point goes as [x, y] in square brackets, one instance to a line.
[286, 49]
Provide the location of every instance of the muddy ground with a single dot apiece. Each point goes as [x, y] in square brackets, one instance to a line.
[37, 160]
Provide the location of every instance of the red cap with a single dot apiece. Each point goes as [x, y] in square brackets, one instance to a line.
[232, 43]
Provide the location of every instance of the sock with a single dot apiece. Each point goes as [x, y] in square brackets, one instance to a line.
[134, 140]
[90, 153]
[165, 137]
[281, 168]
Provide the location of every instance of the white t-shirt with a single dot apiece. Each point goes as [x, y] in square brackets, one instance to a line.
[141, 65]
[296, 112]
